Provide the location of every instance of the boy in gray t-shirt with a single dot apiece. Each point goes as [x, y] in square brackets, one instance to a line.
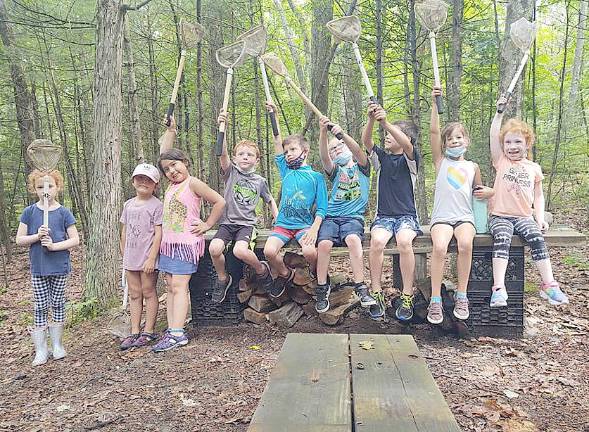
[243, 189]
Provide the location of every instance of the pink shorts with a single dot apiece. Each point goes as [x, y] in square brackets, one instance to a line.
[287, 235]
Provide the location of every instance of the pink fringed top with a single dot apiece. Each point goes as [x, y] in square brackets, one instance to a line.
[181, 209]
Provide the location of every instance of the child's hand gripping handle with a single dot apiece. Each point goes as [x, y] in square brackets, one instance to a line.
[503, 104]
[339, 135]
[440, 104]
[169, 113]
[273, 123]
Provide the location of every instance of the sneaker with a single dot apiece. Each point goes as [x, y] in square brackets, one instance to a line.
[499, 297]
[280, 283]
[551, 292]
[365, 298]
[461, 308]
[322, 293]
[376, 311]
[144, 339]
[220, 289]
[129, 341]
[405, 310]
[168, 341]
[435, 313]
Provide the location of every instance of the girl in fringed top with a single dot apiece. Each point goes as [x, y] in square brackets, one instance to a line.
[182, 234]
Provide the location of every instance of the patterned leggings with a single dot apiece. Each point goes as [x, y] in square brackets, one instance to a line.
[502, 229]
[46, 290]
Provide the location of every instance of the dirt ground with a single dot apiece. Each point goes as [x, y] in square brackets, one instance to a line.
[537, 383]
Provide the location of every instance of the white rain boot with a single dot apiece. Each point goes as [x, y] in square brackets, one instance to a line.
[56, 333]
[39, 336]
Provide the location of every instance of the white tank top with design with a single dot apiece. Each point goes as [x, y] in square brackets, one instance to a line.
[453, 194]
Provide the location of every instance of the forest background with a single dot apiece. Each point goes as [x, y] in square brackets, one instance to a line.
[95, 78]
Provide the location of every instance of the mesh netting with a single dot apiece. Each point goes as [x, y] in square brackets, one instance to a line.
[255, 41]
[273, 62]
[432, 14]
[346, 28]
[43, 154]
[192, 34]
[231, 55]
[522, 33]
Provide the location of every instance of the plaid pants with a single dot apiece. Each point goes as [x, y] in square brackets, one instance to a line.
[49, 290]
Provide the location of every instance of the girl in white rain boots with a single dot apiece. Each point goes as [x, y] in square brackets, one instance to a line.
[50, 259]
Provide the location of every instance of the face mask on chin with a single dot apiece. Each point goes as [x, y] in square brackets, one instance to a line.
[343, 158]
[455, 152]
[298, 161]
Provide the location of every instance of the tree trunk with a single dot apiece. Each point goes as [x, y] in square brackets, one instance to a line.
[4, 235]
[136, 138]
[576, 77]
[102, 268]
[320, 45]
[200, 168]
[378, 66]
[22, 97]
[453, 96]
[153, 83]
[555, 155]
[511, 56]
[420, 194]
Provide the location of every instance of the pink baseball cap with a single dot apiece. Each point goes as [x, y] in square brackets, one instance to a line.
[147, 170]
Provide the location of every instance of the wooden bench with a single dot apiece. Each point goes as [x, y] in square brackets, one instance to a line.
[330, 383]
[507, 322]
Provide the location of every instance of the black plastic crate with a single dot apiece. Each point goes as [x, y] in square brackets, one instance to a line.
[501, 322]
[204, 310]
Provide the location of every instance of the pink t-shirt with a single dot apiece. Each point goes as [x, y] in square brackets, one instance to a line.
[140, 219]
[514, 187]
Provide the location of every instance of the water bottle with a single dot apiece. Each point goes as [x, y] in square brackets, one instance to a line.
[479, 210]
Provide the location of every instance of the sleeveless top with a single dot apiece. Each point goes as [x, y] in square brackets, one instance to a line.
[181, 209]
[453, 195]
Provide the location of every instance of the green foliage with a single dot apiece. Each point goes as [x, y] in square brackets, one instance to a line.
[82, 310]
[577, 261]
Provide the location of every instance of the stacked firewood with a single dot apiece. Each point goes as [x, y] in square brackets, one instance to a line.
[297, 300]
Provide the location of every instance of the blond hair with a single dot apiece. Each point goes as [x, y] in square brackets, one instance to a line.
[247, 143]
[36, 175]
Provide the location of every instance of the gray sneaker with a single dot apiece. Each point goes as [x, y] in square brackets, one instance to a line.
[435, 313]
[461, 308]
[220, 289]
[366, 299]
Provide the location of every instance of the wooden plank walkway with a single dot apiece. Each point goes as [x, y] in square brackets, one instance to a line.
[309, 388]
[330, 383]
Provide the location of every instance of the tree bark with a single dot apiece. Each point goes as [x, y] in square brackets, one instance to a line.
[22, 96]
[102, 268]
[200, 168]
[420, 194]
[136, 138]
[576, 77]
[511, 56]
[5, 237]
[453, 96]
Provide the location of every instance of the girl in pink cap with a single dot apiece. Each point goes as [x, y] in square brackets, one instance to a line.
[141, 236]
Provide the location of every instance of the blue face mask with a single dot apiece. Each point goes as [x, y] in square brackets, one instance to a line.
[298, 162]
[343, 158]
[455, 152]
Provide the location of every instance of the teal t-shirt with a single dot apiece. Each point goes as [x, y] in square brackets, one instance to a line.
[302, 189]
[349, 194]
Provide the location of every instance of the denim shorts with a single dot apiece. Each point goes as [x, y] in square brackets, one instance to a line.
[175, 266]
[396, 224]
[336, 229]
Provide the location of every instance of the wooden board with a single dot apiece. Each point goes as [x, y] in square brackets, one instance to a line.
[557, 235]
[309, 388]
[395, 391]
